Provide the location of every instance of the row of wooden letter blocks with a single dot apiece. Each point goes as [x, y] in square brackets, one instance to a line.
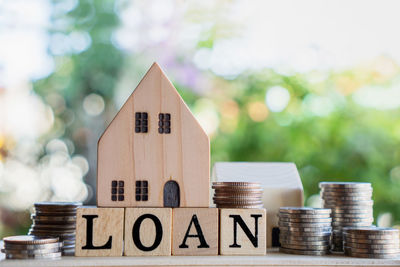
[166, 231]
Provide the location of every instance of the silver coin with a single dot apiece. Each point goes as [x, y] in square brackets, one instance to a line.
[371, 246]
[306, 234]
[339, 210]
[32, 247]
[365, 203]
[30, 251]
[305, 229]
[65, 205]
[54, 226]
[345, 198]
[371, 251]
[305, 220]
[366, 219]
[304, 210]
[29, 240]
[303, 252]
[394, 241]
[306, 247]
[288, 237]
[37, 256]
[345, 185]
[302, 224]
[373, 230]
[331, 193]
[370, 236]
[352, 215]
[303, 216]
[374, 256]
[347, 191]
[40, 218]
[52, 234]
[285, 242]
[347, 224]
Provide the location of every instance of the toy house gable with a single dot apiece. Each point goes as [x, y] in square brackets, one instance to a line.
[154, 153]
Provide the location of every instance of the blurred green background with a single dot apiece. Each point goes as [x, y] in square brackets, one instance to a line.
[313, 83]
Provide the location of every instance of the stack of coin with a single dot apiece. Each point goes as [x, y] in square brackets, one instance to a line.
[371, 242]
[239, 195]
[304, 231]
[56, 219]
[31, 247]
[351, 206]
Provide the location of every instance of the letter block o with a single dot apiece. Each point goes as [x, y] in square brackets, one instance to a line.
[148, 231]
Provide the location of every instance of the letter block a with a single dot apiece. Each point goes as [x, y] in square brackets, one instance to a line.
[243, 232]
[195, 231]
[148, 231]
[99, 231]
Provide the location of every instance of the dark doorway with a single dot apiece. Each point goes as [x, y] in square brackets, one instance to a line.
[171, 194]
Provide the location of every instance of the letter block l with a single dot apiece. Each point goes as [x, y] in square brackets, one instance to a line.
[99, 231]
[243, 232]
[148, 231]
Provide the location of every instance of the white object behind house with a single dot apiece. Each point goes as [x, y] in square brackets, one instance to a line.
[280, 180]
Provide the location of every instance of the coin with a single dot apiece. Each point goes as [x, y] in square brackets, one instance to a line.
[373, 230]
[301, 225]
[290, 237]
[304, 210]
[344, 185]
[29, 240]
[34, 256]
[371, 246]
[305, 220]
[303, 243]
[57, 205]
[52, 219]
[372, 250]
[30, 251]
[303, 252]
[32, 247]
[366, 255]
[360, 241]
[306, 247]
[303, 216]
[305, 229]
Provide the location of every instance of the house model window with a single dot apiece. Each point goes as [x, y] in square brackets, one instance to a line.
[117, 190]
[164, 123]
[141, 122]
[142, 191]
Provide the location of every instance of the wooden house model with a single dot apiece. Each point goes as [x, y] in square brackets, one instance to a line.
[281, 183]
[154, 153]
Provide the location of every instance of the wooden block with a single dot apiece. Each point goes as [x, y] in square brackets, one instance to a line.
[148, 231]
[154, 153]
[195, 231]
[243, 232]
[99, 231]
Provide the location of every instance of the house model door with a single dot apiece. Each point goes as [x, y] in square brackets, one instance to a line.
[171, 194]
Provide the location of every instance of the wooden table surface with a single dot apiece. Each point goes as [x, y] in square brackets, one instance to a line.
[273, 258]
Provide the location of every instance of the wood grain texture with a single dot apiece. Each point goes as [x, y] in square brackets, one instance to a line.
[201, 224]
[148, 240]
[242, 244]
[280, 180]
[107, 222]
[182, 156]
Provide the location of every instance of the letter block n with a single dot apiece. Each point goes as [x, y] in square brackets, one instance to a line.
[148, 231]
[99, 231]
[243, 232]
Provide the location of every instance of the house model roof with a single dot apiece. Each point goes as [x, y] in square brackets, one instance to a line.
[154, 153]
